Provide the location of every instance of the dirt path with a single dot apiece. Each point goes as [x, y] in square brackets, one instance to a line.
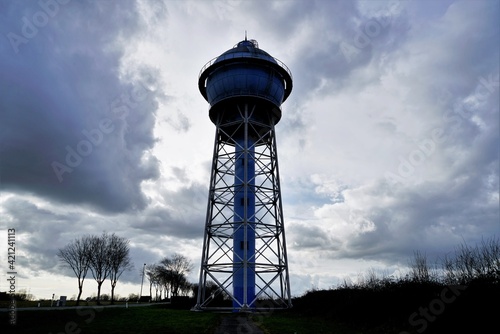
[237, 324]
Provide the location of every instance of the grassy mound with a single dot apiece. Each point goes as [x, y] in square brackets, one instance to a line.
[395, 308]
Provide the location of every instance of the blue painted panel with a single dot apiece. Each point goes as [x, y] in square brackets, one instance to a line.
[244, 208]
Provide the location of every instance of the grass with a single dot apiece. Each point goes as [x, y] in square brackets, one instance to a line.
[472, 309]
[146, 320]
[157, 319]
[47, 303]
[288, 323]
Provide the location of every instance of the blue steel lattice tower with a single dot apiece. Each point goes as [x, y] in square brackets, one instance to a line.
[244, 247]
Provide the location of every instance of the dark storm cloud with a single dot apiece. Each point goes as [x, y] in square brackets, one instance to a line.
[434, 216]
[183, 215]
[308, 236]
[40, 232]
[331, 40]
[71, 128]
[456, 197]
[339, 38]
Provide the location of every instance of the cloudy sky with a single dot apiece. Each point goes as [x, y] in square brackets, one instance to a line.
[389, 142]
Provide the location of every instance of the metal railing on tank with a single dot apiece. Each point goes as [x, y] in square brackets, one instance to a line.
[243, 55]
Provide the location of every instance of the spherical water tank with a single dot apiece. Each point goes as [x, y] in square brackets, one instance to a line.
[245, 71]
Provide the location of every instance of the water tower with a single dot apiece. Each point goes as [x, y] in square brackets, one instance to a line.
[244, 256]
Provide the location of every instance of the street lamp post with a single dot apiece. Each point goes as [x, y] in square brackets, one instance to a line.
[142, 281]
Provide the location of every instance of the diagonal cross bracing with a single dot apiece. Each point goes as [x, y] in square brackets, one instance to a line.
[244, 251]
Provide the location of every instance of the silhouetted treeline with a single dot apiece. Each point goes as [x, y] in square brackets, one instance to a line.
[169, 277]
[459, 295]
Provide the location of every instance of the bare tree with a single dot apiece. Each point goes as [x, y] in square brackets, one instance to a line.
[119, 260]
[157, 280]
[490, 252]
[99, 261]
[76, 255]
[185, 287]
[450, 271]
[176, 269]
[420, 271]
[164, 278]
[151, 274]
[474, 262]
